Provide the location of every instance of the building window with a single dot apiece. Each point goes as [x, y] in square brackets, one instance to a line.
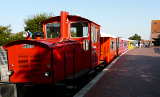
[155, 22]
[154, 31]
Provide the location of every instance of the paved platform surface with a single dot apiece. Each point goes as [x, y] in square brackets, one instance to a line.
[135, 74]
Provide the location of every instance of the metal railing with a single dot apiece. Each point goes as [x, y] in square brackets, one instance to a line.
[3, 57]
[3, 65]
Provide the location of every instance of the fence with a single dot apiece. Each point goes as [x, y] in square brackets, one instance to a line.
[3, 56]
[8, 90]
[3, 65]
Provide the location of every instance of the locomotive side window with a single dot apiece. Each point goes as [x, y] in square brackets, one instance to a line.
[53, 30]
[79, 29]
[94, 32]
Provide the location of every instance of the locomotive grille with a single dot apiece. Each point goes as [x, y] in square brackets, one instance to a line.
[27, 61]
[29, 67]
[23, 59]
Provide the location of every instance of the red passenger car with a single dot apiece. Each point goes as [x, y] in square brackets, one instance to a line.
[122, 45]
[108, 48]
[68, 47]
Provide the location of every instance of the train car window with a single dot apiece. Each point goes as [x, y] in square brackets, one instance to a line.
[53, 30]
[112, 45]
[79, 29]
[122, 43]
[125, 44]
[118, 44]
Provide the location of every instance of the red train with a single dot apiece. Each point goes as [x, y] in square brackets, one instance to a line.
[69, 46]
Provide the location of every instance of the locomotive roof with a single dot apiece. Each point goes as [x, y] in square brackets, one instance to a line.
[32, 42]
[70, 17]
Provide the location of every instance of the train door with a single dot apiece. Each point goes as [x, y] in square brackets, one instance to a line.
[117, 46]
[95, 45]
[79, 31]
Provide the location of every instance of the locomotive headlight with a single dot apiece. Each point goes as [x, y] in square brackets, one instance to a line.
[47, 74]
[27, 35]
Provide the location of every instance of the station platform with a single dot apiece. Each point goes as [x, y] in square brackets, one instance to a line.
[134, 74]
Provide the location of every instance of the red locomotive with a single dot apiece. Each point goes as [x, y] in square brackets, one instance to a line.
[68, 47]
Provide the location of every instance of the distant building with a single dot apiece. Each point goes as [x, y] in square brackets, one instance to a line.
[155, 32]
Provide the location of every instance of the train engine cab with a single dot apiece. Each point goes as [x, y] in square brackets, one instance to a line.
[68, 47]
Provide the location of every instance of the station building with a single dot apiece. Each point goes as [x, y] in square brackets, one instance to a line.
[155, 32]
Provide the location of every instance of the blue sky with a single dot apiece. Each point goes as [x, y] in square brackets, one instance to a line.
[117, 17]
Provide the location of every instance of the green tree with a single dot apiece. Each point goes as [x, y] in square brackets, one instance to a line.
[17, 36]
[5, 29]
[5, 32]
[135, 37]
[33, 24]
[6, 36]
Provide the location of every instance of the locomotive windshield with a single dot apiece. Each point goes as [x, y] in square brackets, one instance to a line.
[53, 30]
